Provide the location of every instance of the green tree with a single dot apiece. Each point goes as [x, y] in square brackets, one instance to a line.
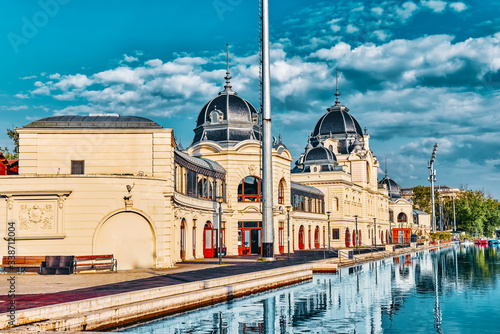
[422, 198]
[12, 133]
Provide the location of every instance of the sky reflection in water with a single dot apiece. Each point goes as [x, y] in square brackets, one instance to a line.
[453, 290]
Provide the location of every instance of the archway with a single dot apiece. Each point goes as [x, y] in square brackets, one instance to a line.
[386, 236]
[316, 237]
[354, 239]
[309, 236]
[183, 239]
[208, 238]
[360, 240]
[301, 237]
[347, 238]
[130, 238]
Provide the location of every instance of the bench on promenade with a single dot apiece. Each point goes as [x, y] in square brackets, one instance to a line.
[57, 265]
[94, 262]
[22, 264]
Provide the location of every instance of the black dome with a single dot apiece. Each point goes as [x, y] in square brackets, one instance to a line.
[318, 155]
[233, 108]
[392, 186]
[227, 118]
[337, 121]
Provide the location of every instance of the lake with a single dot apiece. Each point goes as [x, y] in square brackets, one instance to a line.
[452, 290]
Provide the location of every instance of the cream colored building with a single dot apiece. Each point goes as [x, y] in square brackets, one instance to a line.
[109, 184]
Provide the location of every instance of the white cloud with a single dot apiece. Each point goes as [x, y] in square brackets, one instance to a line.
[22, 96]
[458, 6]
[407, 10]
[66, 82]
[351, 29]
[437, 6]
[129, 59]
[335, 52]
[28, 77]
[120, 75]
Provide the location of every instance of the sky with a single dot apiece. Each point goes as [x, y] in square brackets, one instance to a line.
[414, 73]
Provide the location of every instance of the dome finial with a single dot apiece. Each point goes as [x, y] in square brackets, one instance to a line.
[386, 174]
[337, 94]
[227, 86]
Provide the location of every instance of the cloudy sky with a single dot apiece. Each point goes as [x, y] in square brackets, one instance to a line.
[414, 73]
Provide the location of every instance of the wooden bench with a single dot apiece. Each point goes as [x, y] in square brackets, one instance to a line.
[94, 262]
[22, 264]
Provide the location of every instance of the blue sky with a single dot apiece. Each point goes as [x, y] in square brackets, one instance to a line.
[414, 73]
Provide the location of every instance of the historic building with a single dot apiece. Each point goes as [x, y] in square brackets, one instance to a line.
[110, 184]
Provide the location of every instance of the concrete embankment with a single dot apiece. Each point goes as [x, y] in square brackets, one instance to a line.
[119, 309]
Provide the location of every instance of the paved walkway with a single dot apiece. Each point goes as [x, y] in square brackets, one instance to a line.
[37, 290]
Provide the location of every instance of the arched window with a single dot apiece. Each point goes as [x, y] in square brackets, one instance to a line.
[402, 218]
[391, 216]
[249, 190]
[281, 192]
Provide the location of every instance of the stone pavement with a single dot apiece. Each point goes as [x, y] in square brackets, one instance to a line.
[36, 290]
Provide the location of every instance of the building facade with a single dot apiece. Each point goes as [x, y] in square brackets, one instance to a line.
[121, 185]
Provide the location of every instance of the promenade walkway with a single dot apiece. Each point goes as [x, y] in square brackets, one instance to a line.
[36, 290]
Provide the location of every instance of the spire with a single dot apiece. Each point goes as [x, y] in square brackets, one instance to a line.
[337, 94]
[227, 86]
[386, 174]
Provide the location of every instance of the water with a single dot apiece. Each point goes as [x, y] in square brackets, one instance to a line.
[453, 290]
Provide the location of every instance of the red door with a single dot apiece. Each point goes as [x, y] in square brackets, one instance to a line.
[280, 240]
[301, 237]
[316, 237]
[208, 237]
[354, 240]
[347, 238]
[183, 240]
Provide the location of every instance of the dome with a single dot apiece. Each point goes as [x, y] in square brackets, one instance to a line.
[392, 186]
[227, 119]
[318, 155]
[337, 121]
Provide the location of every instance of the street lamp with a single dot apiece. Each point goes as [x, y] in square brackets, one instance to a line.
[390, 229]
[219, 200]
[288, 207]
[432, 179]
[375, 227]
[329, 230]
[356, 232]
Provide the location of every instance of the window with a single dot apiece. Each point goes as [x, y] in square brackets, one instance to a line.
[77, 167]
[402, 218]
[249, 190]
[281, 192]
[335, 233]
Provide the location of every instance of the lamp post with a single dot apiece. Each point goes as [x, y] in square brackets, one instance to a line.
[288, 207]
[390, 230]
[219, 200]
[454, 216]
[329, 231]
[432, 179]
[375, 228]
[356, 232]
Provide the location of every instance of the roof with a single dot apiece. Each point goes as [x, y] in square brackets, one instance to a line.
[418, 212]
[337, 121]
[97, 121]
[206, 164]
[300, 189]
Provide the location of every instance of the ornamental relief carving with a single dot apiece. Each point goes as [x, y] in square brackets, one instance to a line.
[36, 217]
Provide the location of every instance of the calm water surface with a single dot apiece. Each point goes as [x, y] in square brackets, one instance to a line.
[453, 290]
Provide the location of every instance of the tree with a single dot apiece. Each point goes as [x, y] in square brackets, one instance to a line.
[422, 198]
[12, 133]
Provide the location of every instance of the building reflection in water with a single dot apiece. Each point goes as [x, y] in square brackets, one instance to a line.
[398, 294]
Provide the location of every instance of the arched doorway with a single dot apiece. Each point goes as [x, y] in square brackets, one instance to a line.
[359, 238]
[208, 240]
[301, 237]
[386, 236]
[316, 237]
[347, 238]
[183, 239]
[354, 239]
[130, 238]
